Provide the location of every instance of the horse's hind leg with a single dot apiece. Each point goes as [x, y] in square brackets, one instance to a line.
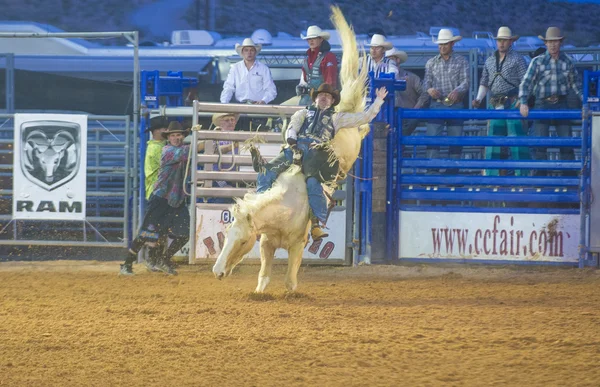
[294, 262]
[267, 252]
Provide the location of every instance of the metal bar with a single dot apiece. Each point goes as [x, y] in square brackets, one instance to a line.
[24, 242]
[584, 212]
[491, 180]
[10, 83]
[493, 141]
[106, 143]
[568, 197]
[101, 219]
[478, 114]
[93, 117]
[221, 192]
[208, 159]
[349, 219]
[186, 111]
[490, 164]
[237, 136]
[226, 176]
[194, 187]
[136, 108]
[67, 35]
[127, 187]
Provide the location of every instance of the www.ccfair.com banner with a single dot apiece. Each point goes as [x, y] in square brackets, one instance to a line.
[489, 236]
[50, 159]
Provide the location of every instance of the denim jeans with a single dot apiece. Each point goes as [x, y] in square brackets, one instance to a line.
[316, 197]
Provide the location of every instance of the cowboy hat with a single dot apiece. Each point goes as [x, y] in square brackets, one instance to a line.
[174, 127]
[506, 34]
[552, 33]
[216, 118]
[158, 122]
[315, 32]
[446, 36]
[379, 41]
[397, 53]
[326, 88]
[247, 43]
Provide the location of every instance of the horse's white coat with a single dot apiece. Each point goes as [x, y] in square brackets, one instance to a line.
[280, 217]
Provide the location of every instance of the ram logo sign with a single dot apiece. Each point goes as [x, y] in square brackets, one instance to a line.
[50, 166]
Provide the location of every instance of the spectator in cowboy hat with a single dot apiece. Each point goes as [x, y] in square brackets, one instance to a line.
[167, 213]
[377, 62]
[549, 78]
[502, 74]
[447, 82]
[319, 66]
[249, 79]
[414, 96]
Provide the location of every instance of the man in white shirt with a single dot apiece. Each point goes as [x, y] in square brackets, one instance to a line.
[249, 79]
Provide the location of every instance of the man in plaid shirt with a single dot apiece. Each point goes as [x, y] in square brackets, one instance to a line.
[549, 78]
[502, 75]
[446, 81]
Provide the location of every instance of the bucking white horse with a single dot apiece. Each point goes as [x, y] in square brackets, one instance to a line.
[281, 214]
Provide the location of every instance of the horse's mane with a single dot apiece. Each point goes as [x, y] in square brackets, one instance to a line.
[353, 83]
[254, 202]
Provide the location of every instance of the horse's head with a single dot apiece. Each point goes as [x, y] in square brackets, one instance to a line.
[239, 240]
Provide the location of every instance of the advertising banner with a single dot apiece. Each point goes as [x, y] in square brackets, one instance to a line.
[50, 159]
[211, 230]
[489, 236]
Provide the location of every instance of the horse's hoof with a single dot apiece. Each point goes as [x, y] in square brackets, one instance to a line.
[220, 276]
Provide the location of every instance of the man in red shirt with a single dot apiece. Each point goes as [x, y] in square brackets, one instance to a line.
[320, 65]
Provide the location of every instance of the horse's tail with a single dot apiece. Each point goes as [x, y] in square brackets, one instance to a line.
[353, 83]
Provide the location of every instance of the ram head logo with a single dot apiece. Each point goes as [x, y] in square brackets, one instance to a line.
[50, 157]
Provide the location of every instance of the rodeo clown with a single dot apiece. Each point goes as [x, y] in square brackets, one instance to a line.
[167, 213]
[308, 137]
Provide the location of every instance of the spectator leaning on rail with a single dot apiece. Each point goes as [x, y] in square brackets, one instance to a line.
[446, 81]
[308, 135]
[414, 96]
[153, 151]
[549, 78]
[249, 79]
[502, 74]
[167, 213]
[224, 122]
[319, 66]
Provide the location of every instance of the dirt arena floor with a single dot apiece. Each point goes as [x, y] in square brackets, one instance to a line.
[74, 323]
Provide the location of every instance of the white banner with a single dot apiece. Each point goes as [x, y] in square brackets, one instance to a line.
[210, 236]
[50, 159]
[512, 237]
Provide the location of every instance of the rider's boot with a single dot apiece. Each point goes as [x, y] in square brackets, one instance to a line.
[257, 161]
[316, 232]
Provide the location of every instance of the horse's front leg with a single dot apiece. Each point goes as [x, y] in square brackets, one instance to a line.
[267, 252]
[294, 262]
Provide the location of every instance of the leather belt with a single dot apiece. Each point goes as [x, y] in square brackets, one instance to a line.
[553, 99]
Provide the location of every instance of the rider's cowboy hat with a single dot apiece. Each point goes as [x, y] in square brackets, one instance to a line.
[446, 36]
[506, 34]
[379, 41]
[552, 33]
[403, 56]
[157, 123]
[326, 88]
[315, 32]
[174, 127]
[216, 118]
[247, 43]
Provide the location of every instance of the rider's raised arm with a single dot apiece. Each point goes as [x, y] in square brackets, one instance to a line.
[354, 120]
[295, 124]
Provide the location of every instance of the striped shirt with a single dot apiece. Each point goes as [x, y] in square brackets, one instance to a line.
[547, 76]
[385, 65]
[447, 75]
[503, 77]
